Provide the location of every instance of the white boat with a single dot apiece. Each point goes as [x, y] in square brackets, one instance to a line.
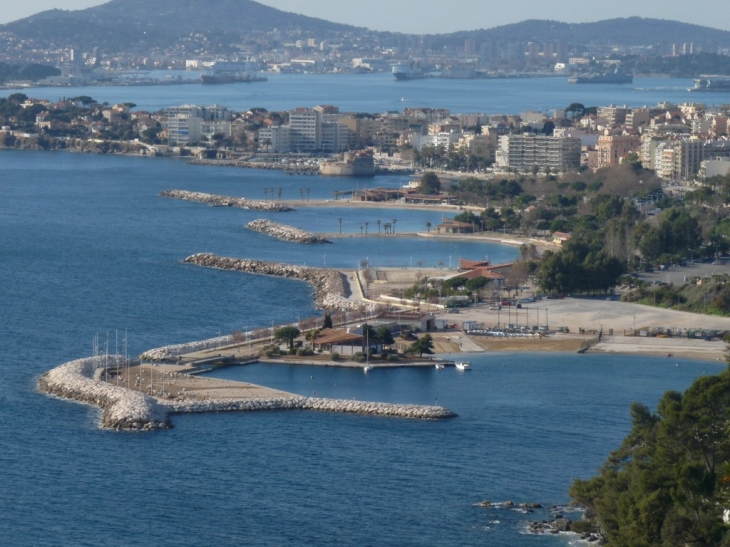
[463, 365]
[367, 368]
[439, 366]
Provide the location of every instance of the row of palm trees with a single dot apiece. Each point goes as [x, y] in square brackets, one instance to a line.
[270, 192]
[388, 227]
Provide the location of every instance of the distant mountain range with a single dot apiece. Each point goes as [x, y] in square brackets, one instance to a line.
[139, 25]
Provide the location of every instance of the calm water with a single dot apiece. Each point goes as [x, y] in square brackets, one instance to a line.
[86, 246]
[381, 92]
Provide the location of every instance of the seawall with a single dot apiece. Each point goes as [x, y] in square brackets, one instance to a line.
[284, 232]
[131, 410]
[226, 201]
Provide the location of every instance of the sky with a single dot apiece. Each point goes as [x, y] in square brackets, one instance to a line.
[438, 16]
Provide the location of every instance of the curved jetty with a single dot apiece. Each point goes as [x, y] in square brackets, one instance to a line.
[129, 409]
[226, 201]
[122, 408]
[330, 286]
[284, 232]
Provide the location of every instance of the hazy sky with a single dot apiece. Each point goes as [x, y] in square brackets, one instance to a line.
[437, 16]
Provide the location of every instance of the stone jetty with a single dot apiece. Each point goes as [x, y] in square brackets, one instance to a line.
[284, 232]
[330, 286]
[131, 410]
[288, 167]
[226, 201]
[122, 408]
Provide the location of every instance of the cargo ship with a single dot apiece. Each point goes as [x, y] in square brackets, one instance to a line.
[225, 72]
[712, 84]
[407, 71]
[602, 78]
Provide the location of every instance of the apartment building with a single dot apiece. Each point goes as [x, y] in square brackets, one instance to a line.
[612, 149]
[305, 130]
[521, 152]
[613, 114]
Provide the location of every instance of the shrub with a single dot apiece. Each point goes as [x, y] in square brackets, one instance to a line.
[335, 356]
[304, 352]
[392, 357]
[358, 357]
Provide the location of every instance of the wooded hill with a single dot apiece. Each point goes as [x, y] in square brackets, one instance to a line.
[136, 25]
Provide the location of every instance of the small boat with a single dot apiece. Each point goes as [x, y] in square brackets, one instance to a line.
[440, 366]
[367, 368]
[463, 365]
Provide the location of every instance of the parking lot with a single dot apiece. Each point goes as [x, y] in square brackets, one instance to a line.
[676, 274]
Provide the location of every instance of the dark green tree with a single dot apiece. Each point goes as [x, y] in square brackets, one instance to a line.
[385, 336]
[430, 183]
[288, 334]
[423, 345]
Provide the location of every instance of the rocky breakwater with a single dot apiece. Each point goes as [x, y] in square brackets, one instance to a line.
[167, 353]
[226, 201]
[330, 286]
[418, 412]
[284, 232]
[290, 167]
[122, 408]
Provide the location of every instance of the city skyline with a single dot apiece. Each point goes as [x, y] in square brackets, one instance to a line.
[427, 17]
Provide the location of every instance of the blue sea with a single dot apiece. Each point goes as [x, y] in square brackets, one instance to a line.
[87, 247]
[376, 93]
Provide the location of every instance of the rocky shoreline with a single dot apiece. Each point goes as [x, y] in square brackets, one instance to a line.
[130, 410]
[331, 288]
[226, 201]
[284, 232]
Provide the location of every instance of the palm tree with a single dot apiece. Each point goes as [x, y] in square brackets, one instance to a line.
[266, 193]
[366, 228]
[386, 227]
[378, 221]
[428, 226]
[337, 195]
[340, 221]
[307, 194]
[272, 193]
[301, 193]
[280, 194]
[394, 222]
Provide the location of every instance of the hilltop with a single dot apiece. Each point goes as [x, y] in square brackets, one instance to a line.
[187, 27]
[631, 31]
[134, 24]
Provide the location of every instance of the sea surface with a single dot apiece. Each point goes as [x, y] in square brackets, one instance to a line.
[87, 247]
[375, 93]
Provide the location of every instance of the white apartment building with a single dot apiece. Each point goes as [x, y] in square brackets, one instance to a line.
[521, 152]
[305, 130]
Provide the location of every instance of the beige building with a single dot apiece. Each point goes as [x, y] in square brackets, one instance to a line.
[613, 148]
